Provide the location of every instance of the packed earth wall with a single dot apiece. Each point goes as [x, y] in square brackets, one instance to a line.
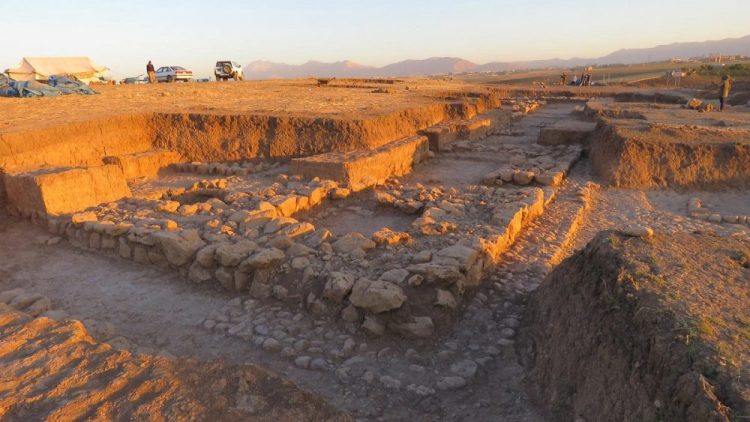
[626, 159]
[602, 343]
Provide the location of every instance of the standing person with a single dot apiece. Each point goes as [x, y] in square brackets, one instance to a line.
[151, 73]
[724, 88]
[563, 79]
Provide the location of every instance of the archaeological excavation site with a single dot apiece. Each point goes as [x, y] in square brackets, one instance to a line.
[374, 250]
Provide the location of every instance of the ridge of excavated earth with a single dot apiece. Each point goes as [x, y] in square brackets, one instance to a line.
[56, 371]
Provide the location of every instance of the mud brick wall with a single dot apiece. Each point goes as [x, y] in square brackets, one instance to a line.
[361, 169]
[65, 190]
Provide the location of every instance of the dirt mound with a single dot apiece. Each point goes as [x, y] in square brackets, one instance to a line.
[56, 371]
[633, 153]
[643, 329]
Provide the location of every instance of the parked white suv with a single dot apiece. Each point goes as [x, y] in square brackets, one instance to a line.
[173, 74]
[226, 70]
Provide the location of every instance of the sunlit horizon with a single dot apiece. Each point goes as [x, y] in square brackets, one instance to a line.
[124, 35]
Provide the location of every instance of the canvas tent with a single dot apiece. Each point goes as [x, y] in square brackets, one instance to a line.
[41, 68]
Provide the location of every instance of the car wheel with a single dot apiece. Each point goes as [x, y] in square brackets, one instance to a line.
[170, 78]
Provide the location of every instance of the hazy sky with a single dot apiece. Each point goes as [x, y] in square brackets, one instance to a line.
[123, 35]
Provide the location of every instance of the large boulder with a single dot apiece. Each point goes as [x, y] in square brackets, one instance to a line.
[377, 296]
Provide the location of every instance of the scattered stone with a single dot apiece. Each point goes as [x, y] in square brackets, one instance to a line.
[272, 345]
[303, 362]
[638, 231]
[420, 390]
[351, 242]
[373, 327]
[351, 314]
[451, 383]
[397, 276]
[420, 327]
[445, 299]
[390, 382]
[338, 286]
[377, 296]
[416, 280]
[320, 364]
[465, 369]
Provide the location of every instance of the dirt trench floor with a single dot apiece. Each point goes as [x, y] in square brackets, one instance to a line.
[470, 372]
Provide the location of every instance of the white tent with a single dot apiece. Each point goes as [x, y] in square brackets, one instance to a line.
[41, 68]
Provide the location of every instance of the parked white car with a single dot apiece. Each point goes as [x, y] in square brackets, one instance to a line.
[226, 70]
[173, 74]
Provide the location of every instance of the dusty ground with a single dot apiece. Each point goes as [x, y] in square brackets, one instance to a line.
[55, 371]
[469, 369]
[298, 98]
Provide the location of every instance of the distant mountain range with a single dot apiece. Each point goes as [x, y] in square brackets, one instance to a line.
[444, 65]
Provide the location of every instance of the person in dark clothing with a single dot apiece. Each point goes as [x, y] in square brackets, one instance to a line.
[151, 73]
[724, 88]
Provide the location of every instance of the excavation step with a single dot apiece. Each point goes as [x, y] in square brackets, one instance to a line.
[442, 135]
[64, 190]
[567, 132]
[359, 170]
[144, 164]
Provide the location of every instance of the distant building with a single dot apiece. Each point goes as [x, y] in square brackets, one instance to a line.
[721, 58]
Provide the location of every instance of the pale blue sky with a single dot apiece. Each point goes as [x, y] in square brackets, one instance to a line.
[123, 35]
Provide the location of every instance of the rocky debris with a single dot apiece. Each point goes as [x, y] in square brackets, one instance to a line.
[451, 383]
[373, 326]
[465, 369]
[698, 210]
[418, 327]
[544, 168]
[396, 276]
[386, 236]
[637, 231]
[352, 242]
[376, 296]
[338, 286]
[445, 299]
